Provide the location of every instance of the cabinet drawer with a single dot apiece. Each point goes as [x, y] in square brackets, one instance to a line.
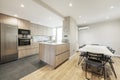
[35, 50]
[28, 52]
[21, 53]
[61, 58]
[24, 47]
[62, 48]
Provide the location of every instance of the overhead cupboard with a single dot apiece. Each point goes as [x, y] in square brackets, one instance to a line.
[41, 30]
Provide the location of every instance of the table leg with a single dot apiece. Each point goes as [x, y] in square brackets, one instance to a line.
[113, 69]
[104, 72]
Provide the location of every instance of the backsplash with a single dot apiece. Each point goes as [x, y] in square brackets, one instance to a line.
[40, 38]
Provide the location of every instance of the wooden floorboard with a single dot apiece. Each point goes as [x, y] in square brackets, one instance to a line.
[69, 71]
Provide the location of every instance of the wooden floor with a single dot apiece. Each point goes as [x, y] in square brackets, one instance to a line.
[69, 71]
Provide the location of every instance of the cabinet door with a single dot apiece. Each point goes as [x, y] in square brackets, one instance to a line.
[50, 32]
[28, 50]
[47, 31]
[32, 30]
[8, 19]
[62, 48]
[36, 29]
[62, 57]
[34, 50]
[24, 24]
[21, 53]
[41, 51]
[40, 30]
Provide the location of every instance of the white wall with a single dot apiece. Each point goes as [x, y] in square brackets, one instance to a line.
[106, 33]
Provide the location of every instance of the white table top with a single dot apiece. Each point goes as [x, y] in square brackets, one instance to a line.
[97, 49]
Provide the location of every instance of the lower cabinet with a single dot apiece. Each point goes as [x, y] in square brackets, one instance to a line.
[54, 55]
[24, 51]
[61, 58]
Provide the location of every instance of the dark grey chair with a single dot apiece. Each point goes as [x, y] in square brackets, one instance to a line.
[82, 46]
[113, 51]
[95, 44]
[81, 57]
[95, 63]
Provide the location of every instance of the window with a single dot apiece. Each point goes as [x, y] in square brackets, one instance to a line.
[57, 34]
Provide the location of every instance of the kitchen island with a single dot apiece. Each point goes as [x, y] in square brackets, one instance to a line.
[54, 54]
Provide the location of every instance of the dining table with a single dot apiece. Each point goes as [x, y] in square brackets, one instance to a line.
[99, 49]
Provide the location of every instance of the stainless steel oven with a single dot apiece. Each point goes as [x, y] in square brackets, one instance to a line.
[24, 41]
[24, 32]
[24, 37]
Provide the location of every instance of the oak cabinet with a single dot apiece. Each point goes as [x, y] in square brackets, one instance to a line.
[36, 30]
[21, 23]
[61, 49]
[24, 51]
[24, 24]
[61, 58]
[54, 55]
[48, 31]
[40, 30]
[8, 19]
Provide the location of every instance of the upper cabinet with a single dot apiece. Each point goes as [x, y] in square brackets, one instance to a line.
[21, 23]
[8, 19]
[24, 24]
[41, 30]
[48, 31]
[36, 30]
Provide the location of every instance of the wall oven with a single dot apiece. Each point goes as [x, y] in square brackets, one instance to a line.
[23, 32]
[24, 37]
[24, 41]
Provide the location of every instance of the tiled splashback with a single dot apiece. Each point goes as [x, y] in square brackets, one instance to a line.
[40, 38]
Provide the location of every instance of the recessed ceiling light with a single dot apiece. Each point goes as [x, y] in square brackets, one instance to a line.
[70, 4]
[80, 16]
[50, 18]
[22, 6]
[107, 17]
[111, 7]
[16, 15]
[84, 21]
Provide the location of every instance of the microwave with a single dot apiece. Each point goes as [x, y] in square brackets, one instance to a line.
[24, 32]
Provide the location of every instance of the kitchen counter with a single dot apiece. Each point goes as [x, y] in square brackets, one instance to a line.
[54, 54]
[52, 43]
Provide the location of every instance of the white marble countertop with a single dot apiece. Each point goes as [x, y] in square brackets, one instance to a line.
[51, 43]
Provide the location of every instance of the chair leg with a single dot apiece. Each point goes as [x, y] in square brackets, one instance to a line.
[80, 59]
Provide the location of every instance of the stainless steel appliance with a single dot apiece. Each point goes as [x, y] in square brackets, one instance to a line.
[24, 41]
[23, 32]
[8, 43]
[24, 37]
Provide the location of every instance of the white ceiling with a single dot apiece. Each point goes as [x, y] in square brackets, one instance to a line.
[32, 12]
[92, 11]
